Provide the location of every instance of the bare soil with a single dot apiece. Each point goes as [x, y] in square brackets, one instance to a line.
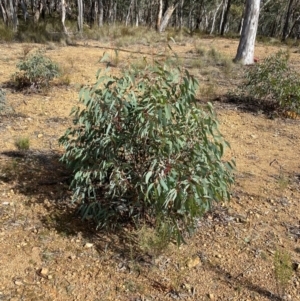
[48, 253]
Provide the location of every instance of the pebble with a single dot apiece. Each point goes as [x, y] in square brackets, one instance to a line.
[211, 296]
[40, 135]
[18, 282]
[193, 262]
[44, 271]
[88, 245]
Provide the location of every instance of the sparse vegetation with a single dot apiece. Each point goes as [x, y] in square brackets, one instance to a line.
[2, 99]
[283, 270]
[273, 81]
[22, 143]
[58, 256]
[36, 71]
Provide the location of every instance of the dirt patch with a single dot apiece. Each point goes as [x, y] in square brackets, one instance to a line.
[47, 253]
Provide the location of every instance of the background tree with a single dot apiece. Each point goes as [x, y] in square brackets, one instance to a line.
[245, 52]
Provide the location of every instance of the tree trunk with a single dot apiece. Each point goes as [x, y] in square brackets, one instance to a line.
[224, 21]
[94, 13]
[214, 18]
[137, 13]
[100, 5]
[167, 17]
[296, 22]
[181, 14]
[3, 12]
[38, 11]
[245, 51]
[128, 13]
[80, 16]
[24, 9]
[63, 16]
[286, 23]
[159, 15]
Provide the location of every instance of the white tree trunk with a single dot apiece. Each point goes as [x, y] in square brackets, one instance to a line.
[167, 17]
[80, 16]
[129, 12]
[63, 16]
[159, 15]
[245, 51]
[11, 12]
[3, 12]
[214, 18]
[100, 5]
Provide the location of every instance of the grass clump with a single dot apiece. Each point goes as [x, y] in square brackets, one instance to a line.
[22, 143]
[283, 270]
[36, 71]
[2, 99]
[143, 151]
[6, 33]
[274, 82]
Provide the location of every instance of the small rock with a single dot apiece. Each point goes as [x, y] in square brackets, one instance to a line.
[72, 257]
[18, 282]
[88, 245]
[50, 277]
[40, 135]
[44, 271]
[211, 296]
[193, 262]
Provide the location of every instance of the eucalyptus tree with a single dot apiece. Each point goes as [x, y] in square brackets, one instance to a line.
[245, 51]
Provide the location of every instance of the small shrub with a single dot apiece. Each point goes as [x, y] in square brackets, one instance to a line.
[154, 241]
[283, 270]
[36, 71]
[22, 144]
[273, 81]
[26, 49]
[4, 107]
[143, 150]
[2, 99]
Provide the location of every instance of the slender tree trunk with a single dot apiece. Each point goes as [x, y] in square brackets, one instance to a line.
[287, 20]
[214, 18]
[80, 16]
[245, 51]
[137, 13]
[224, 21]
[181, 14]
[38, 12]
[101, 11]
[24, 9]
[3, 12]
[159, 15]
[167, 17]
[129, 12]
[296, 22]
[63, 16]
[115, 12]
[94, 13]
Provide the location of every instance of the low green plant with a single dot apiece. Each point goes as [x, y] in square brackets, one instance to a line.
[274, 81]
[2, 99]
[154, 241]
[283, 270]
[22, 143]
[36, 71]
[141, 149]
